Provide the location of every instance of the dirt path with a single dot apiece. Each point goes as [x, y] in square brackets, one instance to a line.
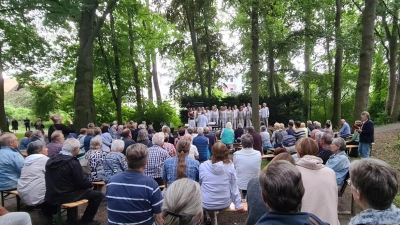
[386, 128]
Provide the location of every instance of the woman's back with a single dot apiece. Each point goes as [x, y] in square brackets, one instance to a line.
[228, 136]
[95, 161]
[113, 163]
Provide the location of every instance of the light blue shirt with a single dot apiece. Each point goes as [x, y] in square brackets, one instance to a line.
[345, 131]
[11, 162]
[202, 120]
[339, 163]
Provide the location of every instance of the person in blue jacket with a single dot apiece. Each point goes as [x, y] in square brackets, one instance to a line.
[282, 191]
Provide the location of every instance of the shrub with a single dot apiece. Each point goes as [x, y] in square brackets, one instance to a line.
[162, 113]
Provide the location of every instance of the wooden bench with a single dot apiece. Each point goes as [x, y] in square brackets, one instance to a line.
[100, 183]
[5, 194]
[24, 154]
[340, 194]
[268, 157]
[349, 147]
[161, 187]
[232, 207]
[63, 207]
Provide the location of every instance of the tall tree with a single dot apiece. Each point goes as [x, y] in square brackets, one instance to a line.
[255, 63]
[367, 47]
[337, 86]
[89, 29]
[308, 49]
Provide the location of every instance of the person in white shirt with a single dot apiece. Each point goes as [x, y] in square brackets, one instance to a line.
[193, 152]
[223, 116]
[265, 114]
[208, 114]
[248, 115]
[202, 120]
[247, 163]
[234, 117]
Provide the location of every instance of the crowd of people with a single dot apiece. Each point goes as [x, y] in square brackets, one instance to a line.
[299, 186]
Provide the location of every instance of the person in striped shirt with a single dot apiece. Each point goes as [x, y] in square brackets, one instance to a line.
[132, 197]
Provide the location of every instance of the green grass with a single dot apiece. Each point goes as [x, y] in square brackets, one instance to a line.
[264, 163]
[19, 135]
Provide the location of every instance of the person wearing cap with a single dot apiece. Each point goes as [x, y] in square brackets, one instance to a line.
[289, 142]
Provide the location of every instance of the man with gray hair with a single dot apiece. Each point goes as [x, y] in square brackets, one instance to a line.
[145, 199]
[325, 143]
[65, 183]
[11, 162]
[201, 142]
[156, 159]
[202, 120]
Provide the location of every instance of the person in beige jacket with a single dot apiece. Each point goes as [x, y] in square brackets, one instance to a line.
[321, 192]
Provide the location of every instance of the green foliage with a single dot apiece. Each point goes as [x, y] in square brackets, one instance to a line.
[21, 98]
[162, 113]
[18, 113]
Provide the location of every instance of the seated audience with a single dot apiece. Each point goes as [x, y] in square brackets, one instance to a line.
[127, 139]
[319, 182]
[247, 163]
[265, 138]
[115, 161]
[31, 185]
[143, 138]
[151, 132]
[56, 144]
[88, 138]
[310, 127]
[193, 153]
[105, 147]
[256, 207]
[166, 129]
[156, 158]
[356, 136]
[190, 130]
[218, 182]
[345, 130]
[37, 135]
[181, 166]
[289, 142]
[24, 142]
[181, 133]
[170, 148]
[11, 162]
[105, 129]
[201, 143]
[182, 203]
[303, 126]
[290, 130]
[227, 135]
[239, 132]
[81, 137]
[134, 132]
[14, 218]
[211, 137]
[325, 143]
[133, 197]
[316, 130]
[282, 191]
[300, 132]
[65, 183]
[256, 139]
[374, 186]
[339, 162]
[95, 157]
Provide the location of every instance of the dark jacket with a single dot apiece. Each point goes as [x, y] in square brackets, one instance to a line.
[86, 143]
[211, 140]
[64, 180]
[256, 207]
[324, 154]
[134, 133]
[290, 131]
[128, 142]
[257, 142]
[367, 132]
[273, 218]
[64, 129]
[238, 133]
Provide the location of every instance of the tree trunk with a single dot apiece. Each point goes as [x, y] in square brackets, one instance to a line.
[393, 45]
[337, 86]
[3, 119]
[133, 63]
[193, 37]
[271, 63]
[367, 47]
[394, 116]
[277, 91]
[83, 92]
[148, 78]
[255, 64]
[307, 66]
[155, 75]
[117, 73]
[209, 72]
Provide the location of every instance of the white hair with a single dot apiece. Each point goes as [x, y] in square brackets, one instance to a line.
[71, 144]
[96, 143]
[228, 125]
[200, 130]
[158, 139]
[117, 146]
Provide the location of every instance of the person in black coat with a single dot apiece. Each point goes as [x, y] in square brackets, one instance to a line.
[59, 126]
[127, 138]
[366, 135]
[65, 183]
[27, 124]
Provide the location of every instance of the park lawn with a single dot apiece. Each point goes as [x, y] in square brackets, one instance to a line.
[19, 135]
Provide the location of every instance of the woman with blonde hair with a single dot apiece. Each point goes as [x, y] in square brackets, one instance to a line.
[181, 166]
[228, 135]
[182, 203]
[303, 126]
[218, 182]
[319, 181]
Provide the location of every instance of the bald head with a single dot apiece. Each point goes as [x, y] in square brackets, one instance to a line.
[8, 139]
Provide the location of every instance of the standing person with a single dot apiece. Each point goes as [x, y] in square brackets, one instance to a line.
[14, 125]
[223, 116]
[228, 135]
[229, 115]
[247, 163]
[145, 199]
[234, 117]
[201, 143]
[366, 135]
[248, 116]
[260, 116]
[214, 115]
[241, 115]
[191, 117]
[65, 183]
[27, 124]
[181, 166]
[11, 162]
[202, 120]
[39, 125]
[265, 114]
[207, 114]
[57, 125]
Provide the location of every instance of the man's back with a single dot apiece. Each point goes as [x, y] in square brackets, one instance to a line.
[127, 142]
[257, 142]
[64, 180]
[132, 198]
[11, 162]
[201, 142]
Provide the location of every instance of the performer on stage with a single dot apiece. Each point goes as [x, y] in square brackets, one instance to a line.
[214, 115]
[191, 116]
[207, 113]
[223, 116]
[248, 115]
[229, 115]
[265, 114]
[241, 115]
[235, 117]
